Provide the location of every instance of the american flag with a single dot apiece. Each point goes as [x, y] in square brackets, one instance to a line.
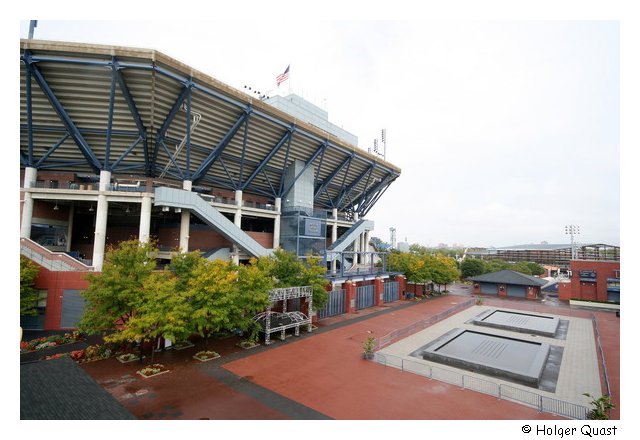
[283, 76]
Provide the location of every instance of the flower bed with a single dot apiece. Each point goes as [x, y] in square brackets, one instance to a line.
[152, 370]
[49, 341]
[207, 355]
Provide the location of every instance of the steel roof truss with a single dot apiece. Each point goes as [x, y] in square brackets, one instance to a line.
[126, 153]
[347, 191]
[286, 162]
[29, 118]
[165, 125]
[51, 150]
[172, 159]
[323, 186]
[224, 167]
[244, 151]
[216, 152]
[263, 163]
[112, 98]
[82, 144]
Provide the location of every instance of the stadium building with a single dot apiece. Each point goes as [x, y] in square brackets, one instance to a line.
[119, 143]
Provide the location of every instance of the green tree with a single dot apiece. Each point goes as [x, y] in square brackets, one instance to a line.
[28, 295]
[114, 294]
[444, 270]
[290, 271]
[496, 265]
[212, 293]
[528, 268]
[471, 267]
[254, 284]
[161, 311]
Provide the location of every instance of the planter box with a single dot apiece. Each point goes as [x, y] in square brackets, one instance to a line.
[147, 376]
[248, 347]
[206, 359]
[594, 305]
[126, 361]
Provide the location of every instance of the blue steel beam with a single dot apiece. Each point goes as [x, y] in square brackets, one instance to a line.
[244, 151]
[267, 158]
[126, 153]
[30, 157]
[82, 144]
[363, 210]
[167, 122]
[286, 163]
[347, 191]
[112, 99]
[133, 109]
[307, 164]
[216, 152]
[51, 150]
[323, 185]
[369, 194]
[188, 142]
[226, 170]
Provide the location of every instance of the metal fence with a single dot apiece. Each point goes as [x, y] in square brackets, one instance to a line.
[391, 291]
[365, 296]
[335, 304]
[402, 333]
[501, 391]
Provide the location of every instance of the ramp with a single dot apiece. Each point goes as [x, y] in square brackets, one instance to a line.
[349, 237]
[178, 198]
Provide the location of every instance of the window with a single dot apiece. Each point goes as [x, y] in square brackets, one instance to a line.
[41, 301]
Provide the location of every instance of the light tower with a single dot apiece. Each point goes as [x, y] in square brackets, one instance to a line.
[572, 230]
[393, 237]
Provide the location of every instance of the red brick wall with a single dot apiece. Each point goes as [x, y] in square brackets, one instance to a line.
[56, 283]
[592, 291]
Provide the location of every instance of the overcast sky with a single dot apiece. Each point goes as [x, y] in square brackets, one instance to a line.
[505, 130]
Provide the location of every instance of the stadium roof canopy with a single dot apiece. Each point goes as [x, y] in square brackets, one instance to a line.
[87, 108]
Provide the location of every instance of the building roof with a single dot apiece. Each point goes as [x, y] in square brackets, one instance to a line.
[60, 390]
[509, 277]
[139, 112]
[542, 247]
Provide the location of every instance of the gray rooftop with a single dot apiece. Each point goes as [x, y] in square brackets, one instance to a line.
[509, 277]
[60, 390]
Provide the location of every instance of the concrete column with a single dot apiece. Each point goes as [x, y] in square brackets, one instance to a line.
[185, 217]
[237, 220]
[334, 237]
[102, 212]
[30, 175]
[356, 249]
[70, 228]
[100, 233]
[145, 220]
[105, 180]
[276, 224]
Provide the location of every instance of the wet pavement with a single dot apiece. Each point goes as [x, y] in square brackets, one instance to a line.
[322, 375]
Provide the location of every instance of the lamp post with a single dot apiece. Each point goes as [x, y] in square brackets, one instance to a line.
[572, 230]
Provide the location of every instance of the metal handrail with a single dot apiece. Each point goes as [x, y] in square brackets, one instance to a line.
[500, 391]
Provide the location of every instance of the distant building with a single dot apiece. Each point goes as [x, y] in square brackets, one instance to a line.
[508, 283]
[549, 254]
[403, 246]
[592, 281]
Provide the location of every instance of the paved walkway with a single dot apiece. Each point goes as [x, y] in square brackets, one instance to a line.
[322, 376]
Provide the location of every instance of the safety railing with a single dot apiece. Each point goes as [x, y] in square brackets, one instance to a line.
[473, 383]
[402, 333]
